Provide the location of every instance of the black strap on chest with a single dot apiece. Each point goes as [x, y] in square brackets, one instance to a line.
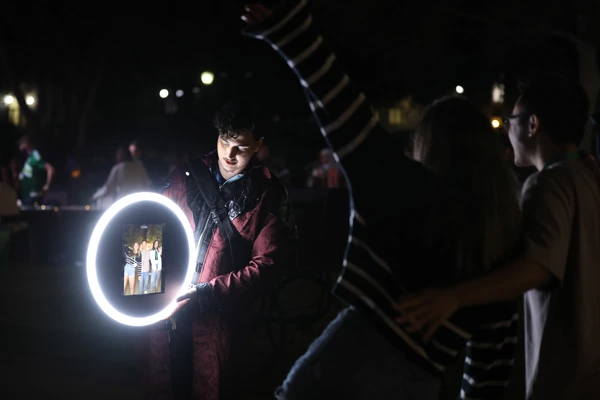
[207, 186]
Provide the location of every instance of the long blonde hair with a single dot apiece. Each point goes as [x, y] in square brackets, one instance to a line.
[475, 222]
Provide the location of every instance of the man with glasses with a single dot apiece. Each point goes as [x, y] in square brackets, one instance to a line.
[558, 265]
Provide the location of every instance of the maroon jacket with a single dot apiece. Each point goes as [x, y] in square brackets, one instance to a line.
[220, 341]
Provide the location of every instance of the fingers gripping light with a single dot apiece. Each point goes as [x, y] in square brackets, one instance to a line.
[92, 252]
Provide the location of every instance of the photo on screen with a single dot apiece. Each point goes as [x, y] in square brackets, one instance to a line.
[143, 271]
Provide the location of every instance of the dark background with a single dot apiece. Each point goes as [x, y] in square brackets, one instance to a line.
[68, 50]
[97, 72]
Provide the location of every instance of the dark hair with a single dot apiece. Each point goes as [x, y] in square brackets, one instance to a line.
[238, 115]
[561, 105]
[475, 222]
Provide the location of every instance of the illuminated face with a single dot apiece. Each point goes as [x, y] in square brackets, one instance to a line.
[143, 245]
[235, 154]
[136, 247]
[521, 138]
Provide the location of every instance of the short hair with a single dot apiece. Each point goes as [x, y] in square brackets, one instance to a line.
[240, 114]
[561, 104]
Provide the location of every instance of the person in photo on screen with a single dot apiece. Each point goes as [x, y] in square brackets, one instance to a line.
[145, 281]
[130, 267]
[160, 274]
[156, 262]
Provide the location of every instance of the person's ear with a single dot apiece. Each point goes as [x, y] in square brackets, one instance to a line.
[259, 144]
[533, 125]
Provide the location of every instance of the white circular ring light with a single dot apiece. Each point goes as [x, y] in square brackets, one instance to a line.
[93, 250]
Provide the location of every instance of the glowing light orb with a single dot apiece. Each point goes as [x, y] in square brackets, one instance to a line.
[207, 77]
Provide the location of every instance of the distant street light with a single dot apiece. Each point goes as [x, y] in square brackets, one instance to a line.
[30, 100]
[496, 122]
[460, 89]
[207, 77]
[163, 94]
[179, 93]
[8, 99]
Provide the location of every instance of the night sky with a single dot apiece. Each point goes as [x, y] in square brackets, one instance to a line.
[391, 48]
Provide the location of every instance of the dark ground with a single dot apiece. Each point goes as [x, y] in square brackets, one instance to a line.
[55, 342]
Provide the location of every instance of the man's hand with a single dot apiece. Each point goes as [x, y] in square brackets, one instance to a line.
[187, 295]
[255, 13]
[181, 304]
[425, 311]
[183, 301]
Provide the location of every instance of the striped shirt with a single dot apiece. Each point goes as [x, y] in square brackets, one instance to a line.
[373, 275]
[134, 259]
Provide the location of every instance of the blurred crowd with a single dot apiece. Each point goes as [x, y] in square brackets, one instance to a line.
[28, 178]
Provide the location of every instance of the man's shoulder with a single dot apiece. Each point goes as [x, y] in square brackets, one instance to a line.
[278, 200]
[558, 176]
[176, 179]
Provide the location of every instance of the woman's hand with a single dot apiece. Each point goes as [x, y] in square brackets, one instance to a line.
[426, 311]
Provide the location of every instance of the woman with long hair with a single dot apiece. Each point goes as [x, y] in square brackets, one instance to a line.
[132, 258]
[472, 226]
[476, 220]
[156, 263]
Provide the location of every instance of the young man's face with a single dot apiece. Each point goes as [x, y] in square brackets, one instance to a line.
[235, 154]
[144, 245]
[521, 137]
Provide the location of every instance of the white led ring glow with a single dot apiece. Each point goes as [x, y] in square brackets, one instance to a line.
[93, 251]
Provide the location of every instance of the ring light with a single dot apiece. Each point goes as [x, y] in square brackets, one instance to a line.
[92, 254]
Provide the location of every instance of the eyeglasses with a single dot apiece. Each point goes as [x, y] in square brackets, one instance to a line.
[506, 121]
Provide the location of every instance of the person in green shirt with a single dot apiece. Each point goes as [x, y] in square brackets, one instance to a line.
[36, 176]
